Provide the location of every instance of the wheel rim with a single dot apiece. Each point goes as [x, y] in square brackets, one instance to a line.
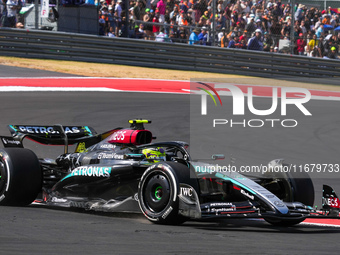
[156, 192]
[159, 192]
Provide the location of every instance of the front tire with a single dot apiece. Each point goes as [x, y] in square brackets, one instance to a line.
[158, 192]
[20, 176]
[298, 187]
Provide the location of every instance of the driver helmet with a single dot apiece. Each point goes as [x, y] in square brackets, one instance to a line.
[154, 154]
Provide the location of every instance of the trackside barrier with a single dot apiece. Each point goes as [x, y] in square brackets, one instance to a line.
[91, 48]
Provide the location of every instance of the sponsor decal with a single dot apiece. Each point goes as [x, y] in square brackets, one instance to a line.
[93, 171]
[46, 130]
[221, 207]
[58, 200]
[186, 191]
[81, 148]
[221, 204]
[164, 167]
[219, 210]
[104, 155]
[9, 141]
[107, 146]
[119, 136]
[279, 203]
[247, 194]
[331, 201]
[167, 212]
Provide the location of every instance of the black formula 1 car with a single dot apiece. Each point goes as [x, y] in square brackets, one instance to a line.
[122, 171]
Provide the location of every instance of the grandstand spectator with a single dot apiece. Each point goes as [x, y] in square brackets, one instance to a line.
[301, 44]
[102, 26]
[111, 32]
[161, 7]
[321, 47]
[183, 19]
[267, 42]
[326, 20]
[139, 10]
[311, 46]
[227, 15]
[241, 21]
[204, 19]
[12, 7]
[232, 41]
[191, 17]
[251, 27]
[329, 44]
[147, 27]
[333, 54]
[111, 19]
[118, 13]
[223, 41]
[303, 27]
[203, 37]
[139, 32]
[258, 25]
[286, 11]
[335, 20]
[317, 22]
[185, 6]
[243, 36]
[155, 28]
[320, 31]
[241, 44]
[162, 36]
[182, 37]
[174, 12]
[255, 42]
[285, 29]
[299, 12]
[193, 39]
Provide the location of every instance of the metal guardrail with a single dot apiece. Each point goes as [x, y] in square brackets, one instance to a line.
[90, 48]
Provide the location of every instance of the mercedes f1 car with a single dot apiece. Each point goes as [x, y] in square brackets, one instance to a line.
[123, 171]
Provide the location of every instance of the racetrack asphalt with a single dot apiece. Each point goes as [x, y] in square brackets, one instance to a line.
[33, 230]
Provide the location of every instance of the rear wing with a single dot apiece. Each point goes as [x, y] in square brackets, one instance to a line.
[53, 135]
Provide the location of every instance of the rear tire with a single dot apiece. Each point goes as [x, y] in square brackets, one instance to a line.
[21, 176]
[158, 192]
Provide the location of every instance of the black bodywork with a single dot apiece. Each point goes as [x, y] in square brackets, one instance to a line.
[109, 172]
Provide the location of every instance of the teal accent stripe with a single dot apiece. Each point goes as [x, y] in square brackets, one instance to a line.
[11, 126]
[88, 130]
[219, 175]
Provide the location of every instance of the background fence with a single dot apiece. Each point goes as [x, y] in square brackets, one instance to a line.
[90, 48]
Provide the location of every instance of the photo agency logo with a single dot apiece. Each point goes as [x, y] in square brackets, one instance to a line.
[289, 96]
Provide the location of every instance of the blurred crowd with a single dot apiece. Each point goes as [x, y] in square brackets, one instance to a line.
[263, 25]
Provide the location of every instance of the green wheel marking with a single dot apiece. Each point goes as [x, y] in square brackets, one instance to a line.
[157, 191]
